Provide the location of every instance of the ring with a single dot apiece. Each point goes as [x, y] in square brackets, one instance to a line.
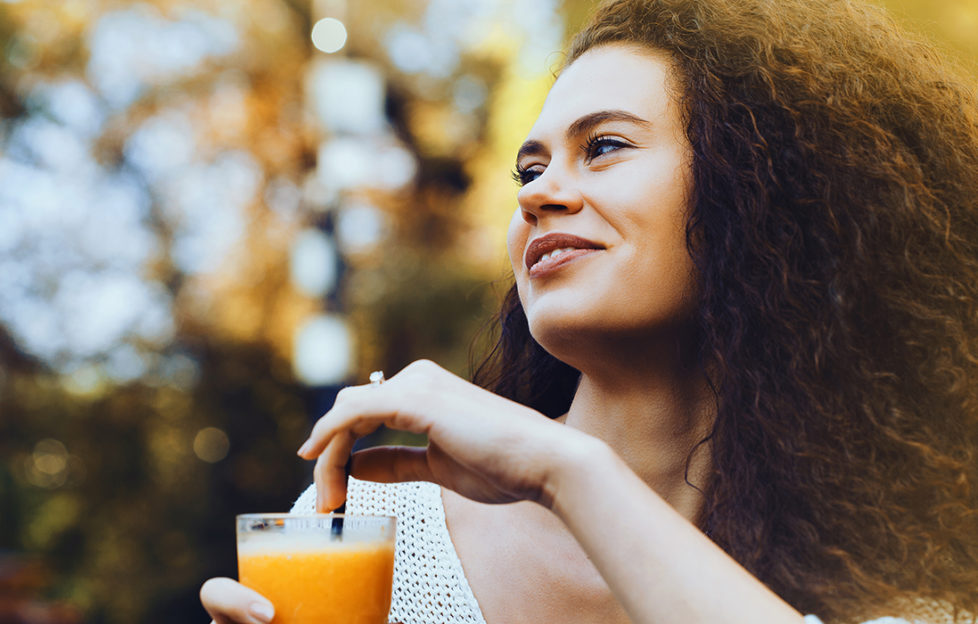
[376, 378]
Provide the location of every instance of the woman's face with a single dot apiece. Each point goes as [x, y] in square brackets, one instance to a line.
[598, 242]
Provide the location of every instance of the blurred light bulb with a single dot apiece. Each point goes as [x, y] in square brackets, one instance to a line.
[359, 228]
[329, 35]
[323, 350]
[313, 265]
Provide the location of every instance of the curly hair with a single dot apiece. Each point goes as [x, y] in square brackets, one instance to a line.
[834, 227]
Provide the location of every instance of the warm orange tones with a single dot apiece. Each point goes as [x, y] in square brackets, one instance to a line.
[321, 582]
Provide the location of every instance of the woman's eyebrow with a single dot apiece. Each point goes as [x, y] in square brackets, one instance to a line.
[530, 148]
[587, 122]
[580, 126]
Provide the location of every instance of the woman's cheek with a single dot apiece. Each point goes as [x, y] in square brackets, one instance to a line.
[516, 238]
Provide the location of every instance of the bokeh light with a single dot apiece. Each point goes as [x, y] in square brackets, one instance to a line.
[360, 227]
[313, 265]
[211, 445]
[329, 35]
[323, 350]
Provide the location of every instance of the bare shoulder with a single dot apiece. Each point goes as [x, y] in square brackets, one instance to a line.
[523, 565]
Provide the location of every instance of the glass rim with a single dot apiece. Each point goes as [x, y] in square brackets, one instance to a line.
[305, 516]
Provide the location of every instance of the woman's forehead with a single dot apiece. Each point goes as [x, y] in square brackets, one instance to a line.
[609, 77]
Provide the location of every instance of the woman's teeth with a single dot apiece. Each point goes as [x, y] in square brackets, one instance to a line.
[555, 253]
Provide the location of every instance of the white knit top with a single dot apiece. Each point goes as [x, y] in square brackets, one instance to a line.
[429, 583]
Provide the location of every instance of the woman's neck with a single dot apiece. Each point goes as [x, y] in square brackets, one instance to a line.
[653, 411]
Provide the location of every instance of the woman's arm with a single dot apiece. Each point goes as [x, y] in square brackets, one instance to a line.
[660, 567]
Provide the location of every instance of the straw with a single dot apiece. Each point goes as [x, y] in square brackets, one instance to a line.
[336, 526]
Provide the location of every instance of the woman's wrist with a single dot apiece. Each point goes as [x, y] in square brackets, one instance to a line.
[576, 463]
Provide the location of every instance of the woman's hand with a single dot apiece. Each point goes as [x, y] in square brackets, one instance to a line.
[230, 602]
[483, 446]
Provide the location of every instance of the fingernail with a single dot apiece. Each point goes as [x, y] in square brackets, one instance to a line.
[304, 448]
[262, 611]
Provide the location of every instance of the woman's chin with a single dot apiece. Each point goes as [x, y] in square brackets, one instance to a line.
[568, 337]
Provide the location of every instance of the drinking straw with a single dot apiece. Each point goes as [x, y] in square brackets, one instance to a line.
[336, 526]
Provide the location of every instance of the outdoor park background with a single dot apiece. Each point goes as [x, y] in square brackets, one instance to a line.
[208, 225]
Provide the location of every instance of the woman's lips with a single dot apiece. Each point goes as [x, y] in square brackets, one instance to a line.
[549, 265]
[550, 252]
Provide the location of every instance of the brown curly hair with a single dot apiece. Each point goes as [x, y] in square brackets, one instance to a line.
[834, 226]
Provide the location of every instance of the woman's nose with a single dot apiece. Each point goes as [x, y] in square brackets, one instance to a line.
[554, 192]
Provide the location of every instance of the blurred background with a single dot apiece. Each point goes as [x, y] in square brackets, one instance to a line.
[215, 213]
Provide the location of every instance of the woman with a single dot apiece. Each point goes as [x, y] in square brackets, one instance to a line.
[746, 266]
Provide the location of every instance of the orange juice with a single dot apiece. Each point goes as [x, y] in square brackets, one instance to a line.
[317, 579]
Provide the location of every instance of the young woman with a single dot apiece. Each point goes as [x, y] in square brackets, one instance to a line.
[746, 297]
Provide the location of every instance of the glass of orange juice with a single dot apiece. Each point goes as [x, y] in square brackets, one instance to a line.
[322, 569]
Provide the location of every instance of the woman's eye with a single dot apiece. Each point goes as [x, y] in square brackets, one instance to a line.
[599, 146]
[525, 175]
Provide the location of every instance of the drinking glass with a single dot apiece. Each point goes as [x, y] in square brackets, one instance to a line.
[322, 569]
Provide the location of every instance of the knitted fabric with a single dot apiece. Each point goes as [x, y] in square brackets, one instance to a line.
[429, 583]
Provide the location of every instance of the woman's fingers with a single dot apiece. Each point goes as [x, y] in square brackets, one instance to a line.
[330, 472]
[391, 464]
[230, 602]
[479, 444]
[396, 464]
[359, 410]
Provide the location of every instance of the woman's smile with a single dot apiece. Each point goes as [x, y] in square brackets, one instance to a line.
[546, 254]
